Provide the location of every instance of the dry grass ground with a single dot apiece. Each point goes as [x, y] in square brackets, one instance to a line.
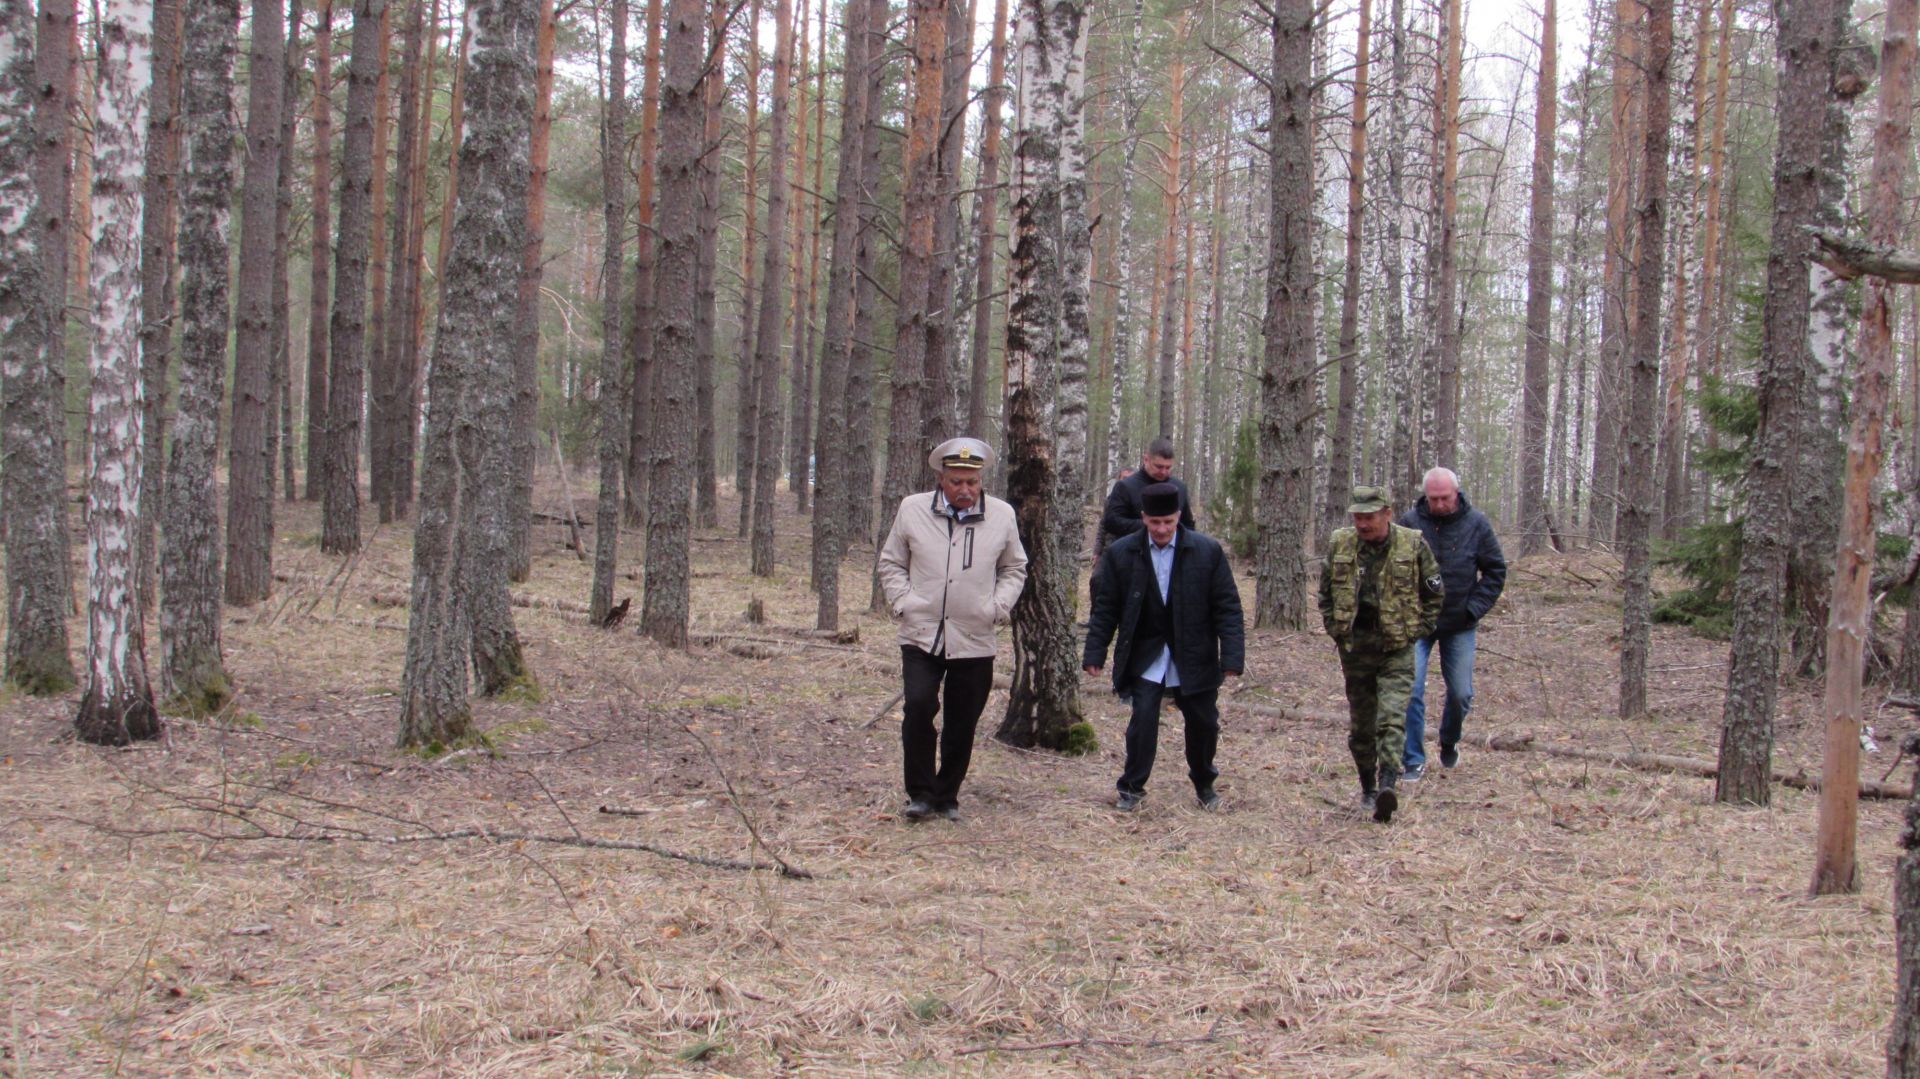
[1524, 915]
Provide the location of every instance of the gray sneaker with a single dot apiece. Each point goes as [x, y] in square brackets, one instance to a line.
[917, 810]
[1128, 801]
[1414, 774]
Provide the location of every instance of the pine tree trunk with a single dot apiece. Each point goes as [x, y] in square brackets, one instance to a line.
[1170, 247]
[459, 565]
[390, 458]
[833, 500]
[1446, 369]
[117, 707]
[1402, 438]
[1616, 290]
[280, 453]
[747, 378]
[677, 234]
[1340, 469]
[611, 397]
[340, 486]
[860, 425]
[1805, 45]
[706, 485]
[799, 379]
[1117, 416]
[1708, 325]
[766, 362]
[193, 675]
[377, 372]
[249, 571]
[34, 181]
[938, 407]
[415, 307]
[1533, 407]
[1287, 404]
[320, 261]
[1636, 510]
[159, 283]
[1835, 870]
[986, 208]
[906, 445]
[523, 435]
[1903, 1041]
[1047, 342]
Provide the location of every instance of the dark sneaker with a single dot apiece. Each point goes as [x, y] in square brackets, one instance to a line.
[1384, 805]
[1209, 798]
[917, 810]
[1128, 801]
[950, 812]
[1415, 773]
[1449, 756]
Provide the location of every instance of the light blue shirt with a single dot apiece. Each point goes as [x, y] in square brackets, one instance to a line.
[1163, 670]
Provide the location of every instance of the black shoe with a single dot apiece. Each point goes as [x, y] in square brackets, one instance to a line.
[1384, 805]
[1128, 801]
[950, 812]
[1209, 798]
[1449, 756]
[917, 809]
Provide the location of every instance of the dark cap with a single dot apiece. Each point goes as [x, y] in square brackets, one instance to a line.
[1160, 500]
[1369, 500]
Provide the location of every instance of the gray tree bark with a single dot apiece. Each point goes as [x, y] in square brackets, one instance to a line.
[320, 259]
[35, 183]
[391, 402]
[766, 361]
[250, 455]
[706, 484]
[159, 284]
[459, 596]
[611, 399]
[280, 394]
[1340, 448]
[1536, 362]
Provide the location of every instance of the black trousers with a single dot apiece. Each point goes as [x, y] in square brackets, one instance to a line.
[968, 682]
[1202, 714]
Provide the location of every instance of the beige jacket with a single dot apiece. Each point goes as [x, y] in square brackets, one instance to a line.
[951, 582]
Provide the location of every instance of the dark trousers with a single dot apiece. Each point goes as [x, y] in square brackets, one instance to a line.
[968, 683]
[1202, 714]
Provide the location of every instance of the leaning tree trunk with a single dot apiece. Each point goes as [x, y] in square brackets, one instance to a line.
[832, 499]
[1047, 340]
[1535, 366]
[611, 404]
[34, 190]
[1806, 45]
[249, 449]
[1636, 510]
[192, 671]
[1287, 404]
[459, 578]
[677, 239]
[766, 361]
[159, 284]
[118, 705]
[340, 484]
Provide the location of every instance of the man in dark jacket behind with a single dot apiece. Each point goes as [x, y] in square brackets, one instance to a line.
[1475, 571]
[1168, 593]
[1122, 514]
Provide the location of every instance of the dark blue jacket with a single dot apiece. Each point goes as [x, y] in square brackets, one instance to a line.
[1209, 632]
[1470, 561]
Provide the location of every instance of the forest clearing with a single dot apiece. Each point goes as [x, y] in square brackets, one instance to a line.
[1526, 915]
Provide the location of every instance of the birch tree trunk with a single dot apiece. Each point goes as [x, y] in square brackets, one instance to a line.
[1534, 528]
[1047, 342]
[34, 190]
[766, 363]
[1636, 510]
[340, 487]
[159, 284]
[459, 560]
[117, 707]
[1805, 46]
[1403, 437]
[611, 399]
[1287, 403]
[250, 462]
[320, 260]
[1851, 624]
[677, 234]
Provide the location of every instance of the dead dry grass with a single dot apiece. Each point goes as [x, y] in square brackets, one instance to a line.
[1523, 916]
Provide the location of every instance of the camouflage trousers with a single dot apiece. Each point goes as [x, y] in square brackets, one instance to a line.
[1379, 684]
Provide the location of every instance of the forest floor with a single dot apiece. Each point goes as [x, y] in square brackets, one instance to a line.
[1523, 915]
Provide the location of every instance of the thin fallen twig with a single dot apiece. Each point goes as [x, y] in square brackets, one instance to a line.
[734, 798]
[1074, 1043]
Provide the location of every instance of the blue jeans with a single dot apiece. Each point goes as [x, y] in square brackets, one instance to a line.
[1456, 668]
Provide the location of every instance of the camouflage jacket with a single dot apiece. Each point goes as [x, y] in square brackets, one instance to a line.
[1407, 587]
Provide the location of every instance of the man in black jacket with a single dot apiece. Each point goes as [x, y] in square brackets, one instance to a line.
[1168, 594]
[1475, 571]
[1123, 513]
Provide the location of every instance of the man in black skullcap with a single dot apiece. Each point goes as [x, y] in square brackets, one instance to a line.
[1165, 597]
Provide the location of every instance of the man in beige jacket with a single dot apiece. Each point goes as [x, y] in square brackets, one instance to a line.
[951, 568]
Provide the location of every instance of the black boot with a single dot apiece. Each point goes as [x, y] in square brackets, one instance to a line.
[1386, 801]
[1367, 795]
